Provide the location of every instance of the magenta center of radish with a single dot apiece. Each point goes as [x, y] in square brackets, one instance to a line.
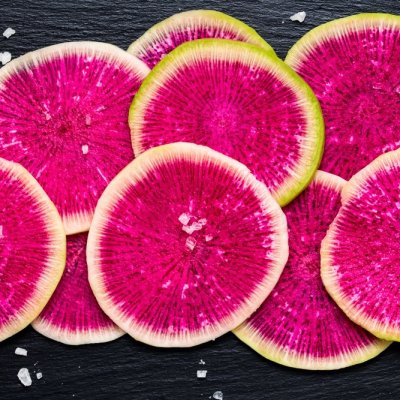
[244, 112]
[180, 244]
[65, 120]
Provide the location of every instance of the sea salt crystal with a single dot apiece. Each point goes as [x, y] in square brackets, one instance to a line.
[88, 120]
[191, 243]
[208, 238]
[5, 57]
[300, 16]
[201, 373]
[196, 226]
[1, 230]
[218, 395]
[24, 377]
[85, 149]
[184, 218]
[39, 375]
[8, 32]
[201, 362]
[19, 351]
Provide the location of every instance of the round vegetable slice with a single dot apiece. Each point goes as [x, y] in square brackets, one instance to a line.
[63, 116]
[239, 100]
[299, 325]
[32, 248]
[353, 66]
[72, 316]
[185, 245]
[360, 254]
[163, 37]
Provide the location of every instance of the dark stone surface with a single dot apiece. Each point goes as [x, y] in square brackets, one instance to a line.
[125, 369]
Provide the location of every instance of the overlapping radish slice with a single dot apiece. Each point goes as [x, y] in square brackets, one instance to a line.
[185, 245]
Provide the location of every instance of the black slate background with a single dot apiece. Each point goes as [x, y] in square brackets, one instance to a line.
[125, 369]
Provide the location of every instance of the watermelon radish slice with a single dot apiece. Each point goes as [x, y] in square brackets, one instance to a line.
[163, 37]
[63, 116]
[299, 325]
[239, 100]
[72, 316]
[353, 66]
[32, 248]
[185, 245]
[361, 252]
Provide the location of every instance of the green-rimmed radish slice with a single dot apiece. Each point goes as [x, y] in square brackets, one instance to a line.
[72, 316]
[168, 34]
[299, 325]
[239, 100]
[361, 252]
[32, 248]
[185, 245]
[63, 116]
[353, 66]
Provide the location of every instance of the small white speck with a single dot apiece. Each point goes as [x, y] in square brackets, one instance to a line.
[8, 32]
[1, 231]
[300, 16]
[166, 284]
[201, 362]
[85, 149]
[184, 218]
[24, 377]
[203, 221]
[218, 395]
[39, 375]
[208, 238]
[185, 287]
[201, 373]
[88, 120]
[19, 351]
[191, 243]
[5, 57]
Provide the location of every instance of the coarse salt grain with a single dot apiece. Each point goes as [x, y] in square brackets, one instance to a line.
[19, 351]
[5, 57]
[218, 395]
[24, 377]
[300, 16]
[184, 218]
[39, 375]
[85, 149]
[8, 32]
[191, 243]
[201, 373]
